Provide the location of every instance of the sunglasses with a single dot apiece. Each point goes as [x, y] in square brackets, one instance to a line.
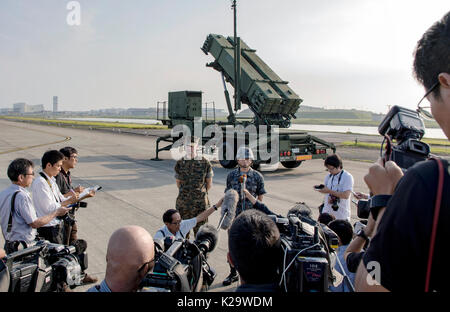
[148, 264]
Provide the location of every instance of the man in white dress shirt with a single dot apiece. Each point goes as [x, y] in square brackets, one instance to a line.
[47, 196]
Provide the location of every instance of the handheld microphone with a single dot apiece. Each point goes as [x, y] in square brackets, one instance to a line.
[206, 238]
[228, 211]
[242, 180]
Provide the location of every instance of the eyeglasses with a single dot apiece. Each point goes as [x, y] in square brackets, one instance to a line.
[176, 222]
[149, 264]
[425, 112]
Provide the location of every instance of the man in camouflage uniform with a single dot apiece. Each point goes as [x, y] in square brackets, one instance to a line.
[193, 175]
[254, 185]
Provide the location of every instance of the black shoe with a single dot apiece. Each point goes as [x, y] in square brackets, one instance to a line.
[233, 277]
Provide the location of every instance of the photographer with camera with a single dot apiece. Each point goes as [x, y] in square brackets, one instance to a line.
[17, 213]
[64, 181]
[356, 249]
[413, 210]
[337, 188]
[344, 231]
[129, 257]
[255, 251]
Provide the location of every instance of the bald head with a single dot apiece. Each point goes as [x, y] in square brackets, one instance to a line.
[128, 249]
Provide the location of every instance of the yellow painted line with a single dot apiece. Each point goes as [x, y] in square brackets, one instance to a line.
[38, 145]
[33, 146]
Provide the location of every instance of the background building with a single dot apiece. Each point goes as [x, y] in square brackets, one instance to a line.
[55, 104]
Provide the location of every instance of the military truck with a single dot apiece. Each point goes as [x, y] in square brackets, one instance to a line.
[271, 100]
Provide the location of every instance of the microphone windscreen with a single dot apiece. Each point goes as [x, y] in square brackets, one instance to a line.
[301, 210]
[242, 178]
[207, 232]
[229, 204]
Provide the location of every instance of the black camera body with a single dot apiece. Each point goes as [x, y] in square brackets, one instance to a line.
[309, 256]
[363, 208]
[180, 268]
[69, 218]
[334, 202]
[407, 128]
[42, 267]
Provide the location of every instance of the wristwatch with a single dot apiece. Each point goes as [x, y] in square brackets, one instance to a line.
[362, 234]
[377, 202]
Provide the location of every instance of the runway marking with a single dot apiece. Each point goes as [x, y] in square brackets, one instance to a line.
[37, 145]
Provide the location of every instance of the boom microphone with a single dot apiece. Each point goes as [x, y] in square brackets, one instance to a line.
[206, 238]
[228, 211]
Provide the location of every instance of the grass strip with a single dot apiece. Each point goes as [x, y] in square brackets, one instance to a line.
[433, 148]
[86, 123]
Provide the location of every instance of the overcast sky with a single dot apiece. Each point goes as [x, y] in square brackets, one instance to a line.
[334, 53]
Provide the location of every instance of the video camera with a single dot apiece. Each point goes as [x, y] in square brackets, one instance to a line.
[407, 128]
[308, 248]
[181, 265]
[42, 267]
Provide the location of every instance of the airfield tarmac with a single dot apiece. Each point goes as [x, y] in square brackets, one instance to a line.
[137, 190]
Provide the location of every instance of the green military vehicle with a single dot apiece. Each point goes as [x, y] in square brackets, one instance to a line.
[272, 102]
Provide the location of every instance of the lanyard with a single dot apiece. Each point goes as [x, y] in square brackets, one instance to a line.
[339, 180]
[51, 188]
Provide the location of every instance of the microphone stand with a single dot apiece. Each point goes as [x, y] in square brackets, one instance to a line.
[243, 179]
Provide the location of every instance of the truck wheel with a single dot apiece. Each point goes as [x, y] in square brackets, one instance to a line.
[228, 164]
[291, 164]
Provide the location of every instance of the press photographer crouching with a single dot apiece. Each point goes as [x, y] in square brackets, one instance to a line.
[176, 228]
[356, 249]
[292, 254]
[255, 251]
[409, 249]
[181, 264]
